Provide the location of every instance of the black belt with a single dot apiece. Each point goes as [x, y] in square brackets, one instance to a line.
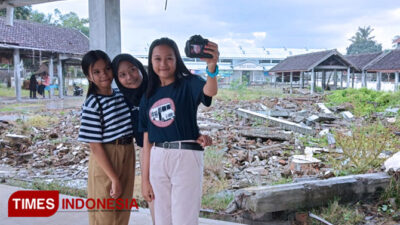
[122, 141]
[183, 145]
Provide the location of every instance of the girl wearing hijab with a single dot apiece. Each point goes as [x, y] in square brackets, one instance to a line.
[132, 80]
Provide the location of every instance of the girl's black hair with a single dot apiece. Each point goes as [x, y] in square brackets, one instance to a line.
[88, 60]
[181, 69]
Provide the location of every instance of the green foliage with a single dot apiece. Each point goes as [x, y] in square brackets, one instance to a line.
[364, 101]
[363, 42]
[339, 214]
[68, 20]
[20, 13]
[248, 93]
[361, 150]
[391, 192]
[283, 181]
[216, 201]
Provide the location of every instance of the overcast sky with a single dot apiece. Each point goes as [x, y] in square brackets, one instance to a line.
[249, 23]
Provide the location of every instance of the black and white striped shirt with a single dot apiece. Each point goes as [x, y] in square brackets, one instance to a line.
[117, 120]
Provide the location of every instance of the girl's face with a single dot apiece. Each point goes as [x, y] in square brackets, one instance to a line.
[101, 75]
[164, 61]
[129, 75]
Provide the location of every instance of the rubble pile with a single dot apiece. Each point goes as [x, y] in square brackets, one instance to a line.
[45, 152]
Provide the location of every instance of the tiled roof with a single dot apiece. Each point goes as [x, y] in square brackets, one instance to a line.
[32, 35]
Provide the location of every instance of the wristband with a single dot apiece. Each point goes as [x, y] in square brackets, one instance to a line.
[212, 75]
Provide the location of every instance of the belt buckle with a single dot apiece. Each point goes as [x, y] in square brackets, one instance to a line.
[166, 145]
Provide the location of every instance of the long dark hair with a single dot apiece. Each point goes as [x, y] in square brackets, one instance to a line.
[180, 72]
[88, 60]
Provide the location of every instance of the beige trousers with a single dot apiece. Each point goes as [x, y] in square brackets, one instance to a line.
[122, 158]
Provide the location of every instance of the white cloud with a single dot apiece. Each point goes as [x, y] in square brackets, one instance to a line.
[386, 25]
[260, 35]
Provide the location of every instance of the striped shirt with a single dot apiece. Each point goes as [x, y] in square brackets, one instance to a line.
[116, 119]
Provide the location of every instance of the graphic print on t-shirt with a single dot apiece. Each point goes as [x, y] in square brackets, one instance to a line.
[162, 113]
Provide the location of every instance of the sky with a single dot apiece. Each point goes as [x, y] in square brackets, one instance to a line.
[313, 24]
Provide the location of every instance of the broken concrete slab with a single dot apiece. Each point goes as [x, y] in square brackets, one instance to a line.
[259, 203]
[284, 124]
[347, 115]
[324, 109]
[393, 162]
[15, 138]
[266, 134]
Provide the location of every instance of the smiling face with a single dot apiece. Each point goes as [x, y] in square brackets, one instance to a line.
[129, 75]
[101, 75]
[164, 62]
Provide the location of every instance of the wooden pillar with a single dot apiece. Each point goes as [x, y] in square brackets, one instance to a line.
[348, 77]
[17, 74]
[352, 79]
[396, 81]
[51, 75]
[276, 78]
[312, 81]
[378, 81]
[60, 78]
[291, 82]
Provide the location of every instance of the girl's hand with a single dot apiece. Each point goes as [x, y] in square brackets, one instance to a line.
[212, 49]
[204, 140]
[116, 188]
[147, 191]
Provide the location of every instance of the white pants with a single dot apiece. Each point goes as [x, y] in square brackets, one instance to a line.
[176, 177]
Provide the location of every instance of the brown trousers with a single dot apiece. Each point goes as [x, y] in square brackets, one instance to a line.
[122, 158]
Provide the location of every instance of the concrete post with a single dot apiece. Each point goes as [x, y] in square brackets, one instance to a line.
[335, 79]
[396, 81]
[17, 74]
[276, 76]
[323, 80]
[363, 79]
[378, 81]
[348, 77]
[60, 78]
[105, 26]
[291, 82]
[312, 81]
[302, 79]
[51, 75]
[10, 16]
[283, 78]
[341, 79]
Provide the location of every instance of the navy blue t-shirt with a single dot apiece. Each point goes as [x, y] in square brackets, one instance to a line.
[171, 113]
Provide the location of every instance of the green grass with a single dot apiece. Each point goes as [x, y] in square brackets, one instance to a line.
[42, 185]
[336, 213]
[216, 201]
[248, 93]
[283, 181]
[364, 101]
[10, 92]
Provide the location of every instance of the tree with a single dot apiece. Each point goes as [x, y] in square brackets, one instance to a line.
[72, 20]
[363, 42]
[68, 20]
[20, 13]
[41, 17]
